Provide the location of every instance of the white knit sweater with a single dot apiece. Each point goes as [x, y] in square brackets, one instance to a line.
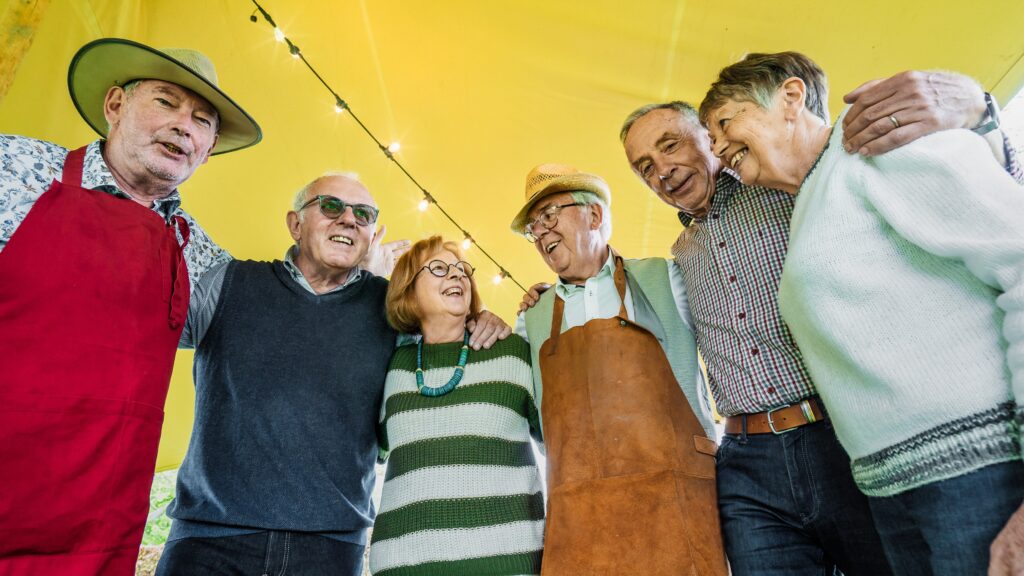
[904, 288]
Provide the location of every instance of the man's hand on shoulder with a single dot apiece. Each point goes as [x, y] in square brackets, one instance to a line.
[486, 330]
[886, 114]
[381, 257]
[532, 296]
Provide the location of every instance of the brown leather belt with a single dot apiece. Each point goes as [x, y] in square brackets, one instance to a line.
[778, 420]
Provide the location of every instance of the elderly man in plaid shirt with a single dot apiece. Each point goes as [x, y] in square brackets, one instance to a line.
[787, 499]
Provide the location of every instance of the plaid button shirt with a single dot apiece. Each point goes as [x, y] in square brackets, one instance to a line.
[732, 262]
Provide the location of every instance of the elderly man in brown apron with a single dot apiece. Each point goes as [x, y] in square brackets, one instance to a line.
[631, 468]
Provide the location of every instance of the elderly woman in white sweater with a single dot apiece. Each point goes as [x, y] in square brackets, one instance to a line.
[904, 288]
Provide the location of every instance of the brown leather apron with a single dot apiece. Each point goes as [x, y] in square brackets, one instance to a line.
[631, 474]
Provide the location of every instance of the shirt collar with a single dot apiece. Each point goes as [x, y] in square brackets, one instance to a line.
[96, 176]
[725, 183]
[296, 274]
[564, 289]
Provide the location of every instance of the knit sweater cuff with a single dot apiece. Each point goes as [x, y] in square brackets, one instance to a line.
[947, 451]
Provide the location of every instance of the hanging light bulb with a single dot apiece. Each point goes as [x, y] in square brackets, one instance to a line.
[467, 243]
[338, 109]
[498, 277]
[424, 204]
[394, 147]
[278, 34]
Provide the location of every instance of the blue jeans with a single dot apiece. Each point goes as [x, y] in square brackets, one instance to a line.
[269, 553]
[789, 507]
[946, 528]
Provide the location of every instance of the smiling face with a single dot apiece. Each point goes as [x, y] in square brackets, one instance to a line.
[159, 134]
[672, 155]
[328, 246]
[754, 142]
[442, 298]
[573, 248]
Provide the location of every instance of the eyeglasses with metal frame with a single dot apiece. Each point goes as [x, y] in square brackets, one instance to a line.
[440, 268]
[333, 207]
[548, 218]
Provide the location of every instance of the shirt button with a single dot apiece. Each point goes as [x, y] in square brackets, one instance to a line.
[754, 351]
[770, 390]
[721, 244]
[732, 278]
[741, 315]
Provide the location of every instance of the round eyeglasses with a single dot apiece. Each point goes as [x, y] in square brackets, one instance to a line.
[333, 207]
[440, 268]
[548, 218]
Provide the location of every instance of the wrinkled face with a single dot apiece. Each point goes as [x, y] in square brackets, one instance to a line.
[672, 155]
[442, 297]
[337, 244]
[574, 244]
[751, 140]
[163, 132]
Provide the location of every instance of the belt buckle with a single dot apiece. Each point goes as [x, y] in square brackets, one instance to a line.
[771, 424]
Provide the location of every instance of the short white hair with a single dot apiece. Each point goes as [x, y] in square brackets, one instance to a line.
[300, 197]
[588, 198]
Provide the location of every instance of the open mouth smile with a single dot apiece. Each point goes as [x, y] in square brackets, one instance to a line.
[341, 240]
[737, 158]
[173, 149]
[552, 246]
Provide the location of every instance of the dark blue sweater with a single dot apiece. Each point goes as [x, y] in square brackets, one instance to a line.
[288, 390]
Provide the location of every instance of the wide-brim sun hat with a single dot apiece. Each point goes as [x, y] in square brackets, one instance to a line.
[548, 179]
[108, 62]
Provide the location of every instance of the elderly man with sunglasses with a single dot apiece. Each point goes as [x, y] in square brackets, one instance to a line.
[291, 358]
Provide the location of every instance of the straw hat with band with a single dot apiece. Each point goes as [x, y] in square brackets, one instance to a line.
[108, 62]
[548, 179]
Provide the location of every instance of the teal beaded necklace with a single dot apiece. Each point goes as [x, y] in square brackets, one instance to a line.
[460, 369]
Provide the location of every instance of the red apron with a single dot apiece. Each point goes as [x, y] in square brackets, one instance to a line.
[93, 295]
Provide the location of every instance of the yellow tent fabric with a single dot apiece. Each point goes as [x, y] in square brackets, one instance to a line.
[477, 93]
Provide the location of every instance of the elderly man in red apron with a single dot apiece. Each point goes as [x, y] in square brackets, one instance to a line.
[96, 263]
[625, 417]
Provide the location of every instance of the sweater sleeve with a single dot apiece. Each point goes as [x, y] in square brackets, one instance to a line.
[945, 194]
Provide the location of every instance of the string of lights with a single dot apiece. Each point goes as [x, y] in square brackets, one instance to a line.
[341, 106]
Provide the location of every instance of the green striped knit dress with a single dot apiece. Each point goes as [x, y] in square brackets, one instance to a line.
[462, 494]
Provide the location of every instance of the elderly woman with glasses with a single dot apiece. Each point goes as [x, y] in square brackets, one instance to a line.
[904, 288]
[462, 494]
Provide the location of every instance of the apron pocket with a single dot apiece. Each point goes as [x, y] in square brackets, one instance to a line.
[700, 461]
[76, 473]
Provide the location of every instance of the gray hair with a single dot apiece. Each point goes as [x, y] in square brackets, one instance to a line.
[300, 197]
[684, 109]
[589, 198]
[129, 89]
[757, 77]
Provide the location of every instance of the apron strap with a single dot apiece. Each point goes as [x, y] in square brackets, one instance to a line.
[556, 323]
[559, 307]
[620, 285]
[73, 164]
[180, 286]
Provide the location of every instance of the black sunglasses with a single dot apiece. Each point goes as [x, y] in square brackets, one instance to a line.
[440, 268]
[332, 208]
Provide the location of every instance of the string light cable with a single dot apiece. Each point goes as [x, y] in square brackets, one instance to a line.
[389, 150]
